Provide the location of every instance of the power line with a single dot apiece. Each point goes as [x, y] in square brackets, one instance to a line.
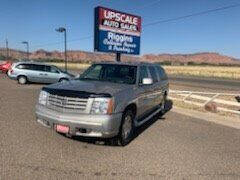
[192, 15]
[157, 22]
[89, 37]
[146, 5]
[99, 2]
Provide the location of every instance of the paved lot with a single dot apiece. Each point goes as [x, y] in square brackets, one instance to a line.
[171, 147]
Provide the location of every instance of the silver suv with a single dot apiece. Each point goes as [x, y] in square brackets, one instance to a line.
[25, 72]
[108, 100]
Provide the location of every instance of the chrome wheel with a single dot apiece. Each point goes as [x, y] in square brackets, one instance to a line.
[127, 127]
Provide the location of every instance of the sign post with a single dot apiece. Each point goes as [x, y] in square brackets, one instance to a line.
[118, 57]
[117, 32]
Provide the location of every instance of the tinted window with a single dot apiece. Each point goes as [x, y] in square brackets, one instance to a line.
[143, 73]
[48, 68]
[51, 69]
[153, 73]
[24, 66]
[37, 67]
[111, 72]
[161, 73]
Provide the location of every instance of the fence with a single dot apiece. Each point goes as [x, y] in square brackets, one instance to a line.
[203, 98]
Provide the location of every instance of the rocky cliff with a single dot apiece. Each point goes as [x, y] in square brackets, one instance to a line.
[82, 56]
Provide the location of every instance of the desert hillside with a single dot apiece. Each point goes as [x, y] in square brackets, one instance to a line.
[83, 56]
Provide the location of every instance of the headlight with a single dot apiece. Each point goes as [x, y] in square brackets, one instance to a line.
[43, 98]
[102, 106]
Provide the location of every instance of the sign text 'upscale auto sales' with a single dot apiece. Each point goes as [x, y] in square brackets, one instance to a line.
[116, 32]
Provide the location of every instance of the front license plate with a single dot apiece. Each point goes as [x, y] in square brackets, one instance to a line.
[62, 129]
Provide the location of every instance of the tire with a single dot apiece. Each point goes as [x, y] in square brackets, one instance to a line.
[127, 128]
[63, 80]
[22, 80]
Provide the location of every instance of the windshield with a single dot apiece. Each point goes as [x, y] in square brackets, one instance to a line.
[111, 72]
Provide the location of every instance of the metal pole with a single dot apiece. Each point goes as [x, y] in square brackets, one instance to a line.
[7, 48]
[61, 30]
[118, 57]
[27, 50]
[65, 42]
[27, 45]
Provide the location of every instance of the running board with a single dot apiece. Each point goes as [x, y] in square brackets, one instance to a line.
[147, 118]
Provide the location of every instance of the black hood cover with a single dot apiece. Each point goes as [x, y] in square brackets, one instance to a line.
[74, 93]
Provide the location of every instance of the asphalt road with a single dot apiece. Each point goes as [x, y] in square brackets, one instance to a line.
[204, 84]
[169, 147]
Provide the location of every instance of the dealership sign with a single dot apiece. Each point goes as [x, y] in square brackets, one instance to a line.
[116, 32]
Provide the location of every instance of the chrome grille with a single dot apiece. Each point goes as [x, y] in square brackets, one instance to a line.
[67, 103]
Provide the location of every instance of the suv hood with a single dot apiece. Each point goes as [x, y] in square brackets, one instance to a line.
[86, 88]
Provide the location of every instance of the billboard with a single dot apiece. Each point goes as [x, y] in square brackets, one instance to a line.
[117, 32]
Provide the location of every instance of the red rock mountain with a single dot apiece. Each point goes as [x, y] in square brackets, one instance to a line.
[82, 56]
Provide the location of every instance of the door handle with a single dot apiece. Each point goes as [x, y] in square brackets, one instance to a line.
[41, 74]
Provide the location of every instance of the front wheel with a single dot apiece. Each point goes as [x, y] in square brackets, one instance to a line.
[127, 128]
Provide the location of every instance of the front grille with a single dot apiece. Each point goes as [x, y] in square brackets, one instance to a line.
[67, 103]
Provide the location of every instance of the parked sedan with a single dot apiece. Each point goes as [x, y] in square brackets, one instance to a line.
[5, 66]
[25, 72]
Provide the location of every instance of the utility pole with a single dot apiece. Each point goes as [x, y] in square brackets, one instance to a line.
[27, 45]
[65, 47]
[63, 30]
[7, 50]
[118, 57]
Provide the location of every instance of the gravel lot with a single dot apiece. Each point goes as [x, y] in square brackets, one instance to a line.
[171, 147]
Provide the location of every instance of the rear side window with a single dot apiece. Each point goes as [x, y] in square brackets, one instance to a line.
[23, 66]
[37, 67]
[143, 73]
[161, 73]
[153, 73]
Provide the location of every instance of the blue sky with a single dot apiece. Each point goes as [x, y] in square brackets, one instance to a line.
[35, 21]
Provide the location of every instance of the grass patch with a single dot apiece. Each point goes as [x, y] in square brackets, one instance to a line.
[205, 71]
[73, 66]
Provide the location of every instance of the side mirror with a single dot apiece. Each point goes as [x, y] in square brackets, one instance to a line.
[147, 81]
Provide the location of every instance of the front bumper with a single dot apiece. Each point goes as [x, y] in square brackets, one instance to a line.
[89, 125]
